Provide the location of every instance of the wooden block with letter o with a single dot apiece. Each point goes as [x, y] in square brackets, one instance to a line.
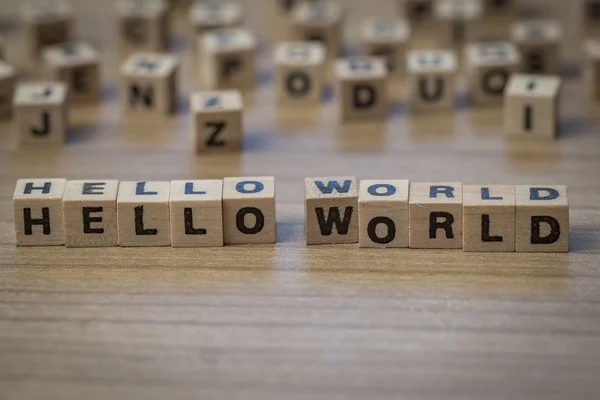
[196, 209]
[142, 24]
[387, 38]
[217, 121]
[431, 79]
[539, 44]
[38, 212]
[331, 210]
[90, 213]
[300, 71]
[591, 69]
[143, 214]
[7, 87]
[319, 21]
[542, 219]
[383, 213]
[47, 22]
[209, 15]
[435, 215]
[249, 210]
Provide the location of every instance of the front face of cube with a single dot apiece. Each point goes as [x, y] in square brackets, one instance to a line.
[233, 69]
[363, 98]
[300, 84]
[42, 124]
[83, 80]
[53, 32]
[147, 95]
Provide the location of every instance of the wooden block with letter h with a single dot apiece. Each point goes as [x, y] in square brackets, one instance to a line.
[47, 22]
[300, 71]
[217, 121]
[431, 79]
[142, 24]
[209, 15]
[539, 43]
[387, 38]
[7, 87]
[319, 21]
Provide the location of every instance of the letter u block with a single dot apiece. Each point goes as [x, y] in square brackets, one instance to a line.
[217, 124]
[431, 79]
[38, 212]
[300, 72]
[331, 210]
[542, 219]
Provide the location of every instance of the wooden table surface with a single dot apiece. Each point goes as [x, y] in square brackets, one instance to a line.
[286, 320]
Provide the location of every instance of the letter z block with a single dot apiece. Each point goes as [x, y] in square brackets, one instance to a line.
[319, 21]
[7, 88]
[539, 43]
[387, 38]
[217, 121]
[47, 22]
[431, 79]
[300, 72]
[142, 24]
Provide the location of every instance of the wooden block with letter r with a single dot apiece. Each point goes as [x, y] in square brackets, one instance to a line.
[431, 79]
[7, 88]
[300, 72]
[387, 38]
[319, 21]
[591, 68]
[218, 122]
[47, 22]
[331, 210]
[209, 15]
[38, 212]
[539, 43]
[142, 24]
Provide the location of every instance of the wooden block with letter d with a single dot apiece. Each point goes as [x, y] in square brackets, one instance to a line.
[142, 24]
[591, 68]
[431, 79]
[383, 213]
[300, 71]
[435, 215]
[8, 76]
[539, 43]
[90, 213]
[319, 21]
[218, 122]
[38, 212]
[387, 38]
[331, 210]
[542, 219]
[47, 22]
[143, 214]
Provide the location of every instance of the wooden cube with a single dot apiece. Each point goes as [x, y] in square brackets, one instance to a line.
[149, 83]
[387, 38]
[78, 65]
[196, 209]
[143, 214]
[591, 18]
[539, 44]
[531, 105]
[319, 21]
[90, 213]
[228, 59]
[489, 218]
[249, 210]
[300, 72]
[489, 67]
[142, 24]
[217, 121]
[431, 76]
[41, 112]
[418, 12]
[207, 15]
[38, 212]
[542, 219]
[361, 88]
[47, 22]
[591, 69]
[383, 213]
[7, 87]
[331, 210]
[435, 215]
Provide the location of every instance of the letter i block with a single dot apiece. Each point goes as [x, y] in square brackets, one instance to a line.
[249, 210]
[217, 121]
[48, 22]
[542, 219]
[489, 218]
[387, 38]
[331, 211]
[319, 21]
[539, 44]
[531, 105]
[362, 92]
[435, 215]
[7, 88]
[142, 24]
[300, 71]
[208, 15]
[90, 213]
[431, 79]
[143, 214]
[38, 212]
[591, 69]
[41, 112]
[149, 83]
[383, 213]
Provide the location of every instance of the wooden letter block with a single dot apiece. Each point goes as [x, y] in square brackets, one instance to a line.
[7, 87]
[149, 83]
[142, 24]
[431, 79]
[489, 218]
[542, 219]
[383, 213]
[47, 22]
[249, 210]
[197, 213]
[38, 212]
[319, 21]
[361, 87]
[331, 214]
[435, 215]
[531, 105]
[591, 69]
[41, 112]
[217, 121]
[208, 15]
[539, 44]
[387, 38]
[143, 214]
[78, 65]
[300, 72]
[591, 18]
[90, 213]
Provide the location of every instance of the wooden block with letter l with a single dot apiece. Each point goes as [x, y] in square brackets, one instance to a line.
[489, 218]
[7, 88]
[196, 209]
[539, 43]
[249, 210]
[149, 83]
[41, 112]
[38, 212]
[331, 210]
[590, 18]
[319, 21]
[143, 214]
[435, 215]
[217, 121]
[542, 219]
[361, 88]
[209, 15]
[531, 105]
[47, 22]
[431, 79]
[387, 38]
[591, 68]
[300, 72]
[383, 213]
[142, 24]
[90, 213]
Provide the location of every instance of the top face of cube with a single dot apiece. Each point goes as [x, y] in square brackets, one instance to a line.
[91, 190]
[205, 190]
[543, 86]
[46, 10]
[229, 39]
[209, 13]
[300, 53]
[143, 192]
[42, 188]
[6, 70]
[330, 187]
[542, 195]
[249, 187]
[449, 10]
[216, 101]
[533, 32]
[492, 53]
[150, 65]
[490, 195]
[436, 192]
[317, 13]
[40, 93]
[70, 54]
[385, 30]
[591, 48]
[431, 61]
[361, 67]
[145, 9]
[383, 190]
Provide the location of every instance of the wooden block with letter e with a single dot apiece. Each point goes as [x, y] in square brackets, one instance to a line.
[319, 21]
[591, 69]
[361, 88]
[209, 15]
[383, 213]
[542, 219]
[249, 210]
[300, 71]
[38, 212]
[387, 38]
[196, 209]
[143, 214]
[41, 112]
[539, 43]
[331, 210]
[431, 79]
[142, 24]
[149, 83]
[435, 215]
[47, 22]
[531, 105]
[217, 121]
[90, 213]
[591, 18]
[489, 218]
[7, 87]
